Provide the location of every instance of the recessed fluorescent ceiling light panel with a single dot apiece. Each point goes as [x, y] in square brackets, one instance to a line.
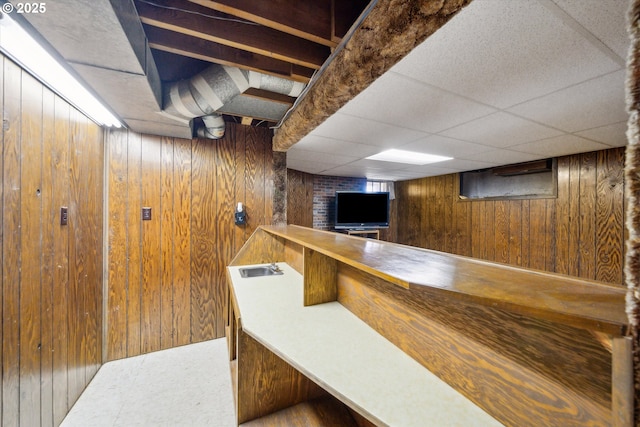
[409, 157]
[17, 44]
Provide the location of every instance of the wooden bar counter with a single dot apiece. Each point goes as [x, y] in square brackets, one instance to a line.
[529, 348]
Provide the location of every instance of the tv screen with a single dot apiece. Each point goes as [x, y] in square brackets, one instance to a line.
[360, 210]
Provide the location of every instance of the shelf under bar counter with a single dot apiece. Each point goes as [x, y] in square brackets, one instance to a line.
[376, 333]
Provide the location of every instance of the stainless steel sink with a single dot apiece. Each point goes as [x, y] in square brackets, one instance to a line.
[266, 270]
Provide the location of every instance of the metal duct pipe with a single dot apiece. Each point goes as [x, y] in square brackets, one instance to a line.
[213, 127]
[206, 92]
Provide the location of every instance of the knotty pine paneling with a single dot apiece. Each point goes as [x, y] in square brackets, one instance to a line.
[166, 277]
[50, 339]
[580, 233]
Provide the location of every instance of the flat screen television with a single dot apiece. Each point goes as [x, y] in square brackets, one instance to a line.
[359, 210]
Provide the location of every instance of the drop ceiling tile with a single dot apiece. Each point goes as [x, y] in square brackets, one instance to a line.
[606, 20]
[405, 102]
[358, 169]
[321, 144]
[307, 166]
[365, 131]
[346, 170]
[443, 146]
[614, 135]
[595, 103]
[404, 176]
[501, 130]
[334, 159]
[432, 169]
[560, 146]
[376, 165]
[503, 53]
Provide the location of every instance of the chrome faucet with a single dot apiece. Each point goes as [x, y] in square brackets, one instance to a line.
[274, 267]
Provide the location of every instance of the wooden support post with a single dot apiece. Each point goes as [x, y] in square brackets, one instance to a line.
[320, 278]
[622, 383]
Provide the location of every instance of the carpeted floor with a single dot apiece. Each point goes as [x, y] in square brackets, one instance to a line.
[183, 386]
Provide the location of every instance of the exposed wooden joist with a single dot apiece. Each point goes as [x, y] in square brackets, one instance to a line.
[258, 119]
[344, 14]
[390, 31]
[269, 96]
[308, 19]
[206, 50]
[246, 36]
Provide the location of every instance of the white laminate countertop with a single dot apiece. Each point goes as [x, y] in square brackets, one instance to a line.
[346, 357]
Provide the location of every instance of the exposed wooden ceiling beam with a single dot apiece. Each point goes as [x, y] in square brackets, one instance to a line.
[390, 31]
[246, 36]
[269, 96]
[308, 19]
[344, 14]
[206, 50]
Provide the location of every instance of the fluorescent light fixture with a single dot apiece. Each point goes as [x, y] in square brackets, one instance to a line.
[408, 157]
[20, 46]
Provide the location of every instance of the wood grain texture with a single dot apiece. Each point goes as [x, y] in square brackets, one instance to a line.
[182, 242]
[172, 281]
[622, 379]
[319, 278]
[51, 274]
[167, 242]
[522, 371]
[133, 244]
[31, 247]
[117, 254]
[94, 242]
[60, 155]
[151, 297]
[240, 233]
[581, 303]
[261, 248]
[299, 198]
[203, 240]
[266, 383]
[225, 221]
[587, 199]
[49, 217]
[523, 367]
[574, 215]
[77, 261]
[324, 411]
[580, 233]
[294, 255]
[609, 251]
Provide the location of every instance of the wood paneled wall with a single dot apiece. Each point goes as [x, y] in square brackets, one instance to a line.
[580, 233]
[299, 198]
[51, 293]
[166, 276]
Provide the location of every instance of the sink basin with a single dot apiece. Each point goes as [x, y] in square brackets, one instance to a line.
[260, 271]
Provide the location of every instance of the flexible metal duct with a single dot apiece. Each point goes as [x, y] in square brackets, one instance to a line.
[207, 92]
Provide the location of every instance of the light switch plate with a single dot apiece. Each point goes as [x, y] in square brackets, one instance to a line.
[64, 215]
[146, 214]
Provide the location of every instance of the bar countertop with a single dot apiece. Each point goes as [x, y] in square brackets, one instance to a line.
[581, 303]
